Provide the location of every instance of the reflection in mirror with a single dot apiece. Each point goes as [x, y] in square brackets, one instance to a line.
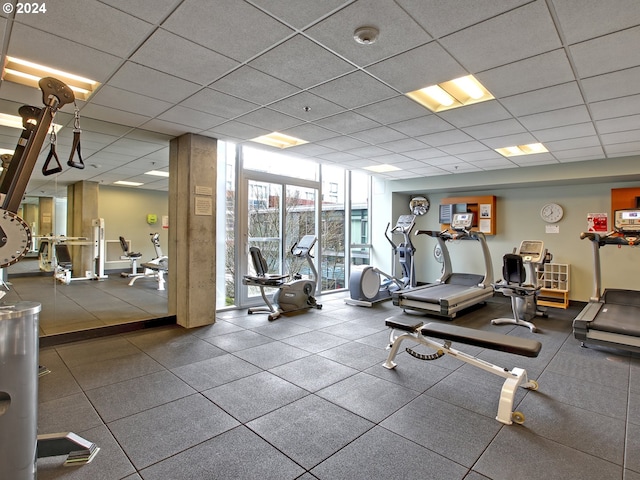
[84, 277]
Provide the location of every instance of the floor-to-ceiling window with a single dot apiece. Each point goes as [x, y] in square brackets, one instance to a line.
[271, 200]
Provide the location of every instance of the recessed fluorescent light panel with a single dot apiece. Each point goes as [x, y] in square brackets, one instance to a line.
[385, 167]
[128, 184]
[157, 173]
[452, 94]
[529, 149]
[28, 73]
[15, 121]
[279, 140]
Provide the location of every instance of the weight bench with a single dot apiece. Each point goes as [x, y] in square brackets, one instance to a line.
[517, 377]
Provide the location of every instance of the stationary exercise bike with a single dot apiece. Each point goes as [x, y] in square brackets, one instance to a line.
[155, 268]
[291, 296]
[366, 283]
[524, 296]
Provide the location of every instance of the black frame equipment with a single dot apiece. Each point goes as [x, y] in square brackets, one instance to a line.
[15, 236]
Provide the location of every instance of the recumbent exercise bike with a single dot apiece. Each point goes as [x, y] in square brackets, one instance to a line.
[291, 296]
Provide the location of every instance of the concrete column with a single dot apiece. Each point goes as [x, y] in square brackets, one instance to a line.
[192, 230]
[82, 208]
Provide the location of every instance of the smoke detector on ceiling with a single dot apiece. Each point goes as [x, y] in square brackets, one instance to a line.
[366, 35]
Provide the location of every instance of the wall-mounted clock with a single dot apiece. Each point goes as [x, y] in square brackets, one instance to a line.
[551, 213]
[419, 205]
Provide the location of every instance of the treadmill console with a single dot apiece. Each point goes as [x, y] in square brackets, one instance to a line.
[531, 251]
[462, 221]
[627, 221]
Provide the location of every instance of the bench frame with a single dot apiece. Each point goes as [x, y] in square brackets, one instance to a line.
[514, 378]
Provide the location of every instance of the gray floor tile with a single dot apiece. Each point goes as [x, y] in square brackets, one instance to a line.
[589, 396]
[96, 350]
[109, 464]
[253, 396]
[380, 455]
[607, 370]
[532, 456]
[589, 432]
[412, 373]
[113, 370]
[132, 396]
[368, 396]
[314, 372]
[314, 342]
[428, 422]
[632, 459]
[215, 371]
[155, 434]
[310, 429]
[225, 456]
[272, 354]
[281, 329]
[356, 355]
[73, 413]
[59, 382]
[240, 340]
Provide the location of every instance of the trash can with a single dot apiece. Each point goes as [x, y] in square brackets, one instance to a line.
[19, 389]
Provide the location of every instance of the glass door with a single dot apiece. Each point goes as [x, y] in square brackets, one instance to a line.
[278, 216]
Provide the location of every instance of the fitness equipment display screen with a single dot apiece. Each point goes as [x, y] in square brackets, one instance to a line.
[627, 220]
[462, 221]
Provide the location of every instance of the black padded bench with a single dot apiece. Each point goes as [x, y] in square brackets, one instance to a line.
[415, 330]
[470, 336]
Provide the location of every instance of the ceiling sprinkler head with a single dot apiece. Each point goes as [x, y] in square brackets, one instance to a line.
[366, 35]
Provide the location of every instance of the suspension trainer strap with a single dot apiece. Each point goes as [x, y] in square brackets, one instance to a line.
[46, 169]
[76, 142]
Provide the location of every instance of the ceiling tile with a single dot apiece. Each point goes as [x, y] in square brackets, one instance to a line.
[556, 118]
[191, 118]
[547, 99]
[151, 12]
[494, 129]
[594, 57]
[176, 56]
[114, 116]
[615, 107]
[403, 145]
[368, 151]
[465, 147]
[400, 32]
[422, 126]
[309, 132]
[218, 103]
[612, 125]
[520, 33]
[306, 106]
[580, 20]
[347, 123]
[343, 143]
[540, 71]
[392, 110]
[36, 46]
[304, 13]
[524, 138]
[354, 90]
[413, 69]
[572, 143]
[117, 98]
[475, 114]
[425, 154]
[269, 119]
[441, 18]
[92, 23]
[378, 135]
[151, 83]
[587, 152]
[569, 131]
[235, 29]
[620, 137]
[612, 85]
[253, 86]
[238, 130]
[445, 138]
[296, 61]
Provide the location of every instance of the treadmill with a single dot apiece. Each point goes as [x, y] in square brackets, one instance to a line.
[452, 292]
[612, 318]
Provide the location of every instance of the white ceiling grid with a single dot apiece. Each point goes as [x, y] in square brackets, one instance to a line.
[563, 72]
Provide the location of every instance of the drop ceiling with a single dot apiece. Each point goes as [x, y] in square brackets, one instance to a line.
[563, 72]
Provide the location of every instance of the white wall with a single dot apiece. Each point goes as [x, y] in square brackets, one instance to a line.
[518, 218]
[125, 210]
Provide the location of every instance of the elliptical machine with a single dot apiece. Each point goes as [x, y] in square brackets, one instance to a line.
[366, 286]
[291, 296]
